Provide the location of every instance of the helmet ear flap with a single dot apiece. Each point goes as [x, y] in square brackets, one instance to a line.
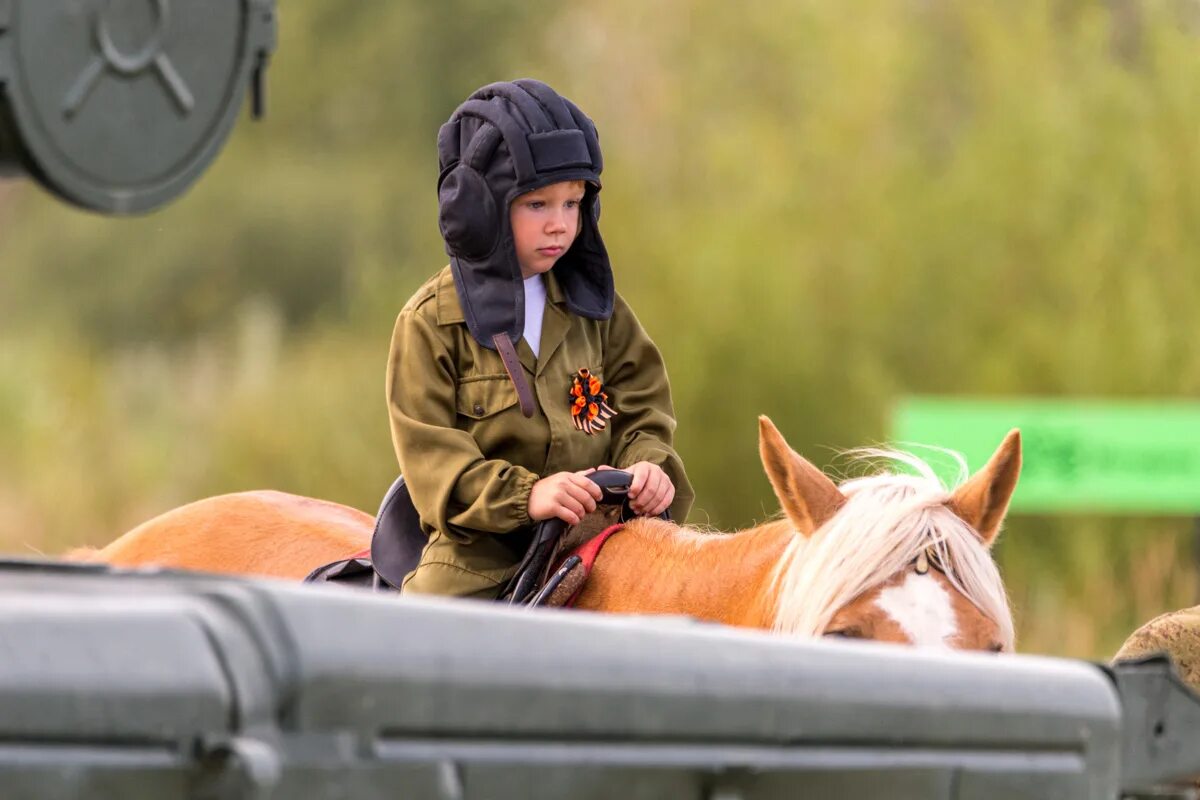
[467, 214]
[591, 202]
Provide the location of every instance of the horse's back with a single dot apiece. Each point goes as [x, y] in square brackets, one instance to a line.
[257, 533]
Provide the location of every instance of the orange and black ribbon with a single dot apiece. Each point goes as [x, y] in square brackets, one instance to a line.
[590, 410]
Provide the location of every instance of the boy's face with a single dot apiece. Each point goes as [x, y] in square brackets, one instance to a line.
[544, 224]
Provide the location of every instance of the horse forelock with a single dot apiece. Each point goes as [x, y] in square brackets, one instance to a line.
[888, 520]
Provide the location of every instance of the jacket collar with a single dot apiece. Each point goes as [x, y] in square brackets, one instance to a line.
[449, 310]
[555, 323]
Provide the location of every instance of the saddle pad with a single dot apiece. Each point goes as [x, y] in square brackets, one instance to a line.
[355, 570]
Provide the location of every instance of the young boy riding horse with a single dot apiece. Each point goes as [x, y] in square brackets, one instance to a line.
[517, 370]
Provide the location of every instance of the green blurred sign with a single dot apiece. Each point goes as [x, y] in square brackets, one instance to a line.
[1078, 455]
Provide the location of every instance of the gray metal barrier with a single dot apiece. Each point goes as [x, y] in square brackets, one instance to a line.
[167, 685]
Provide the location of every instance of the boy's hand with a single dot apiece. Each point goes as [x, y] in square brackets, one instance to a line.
[651, 492]
[565, 495]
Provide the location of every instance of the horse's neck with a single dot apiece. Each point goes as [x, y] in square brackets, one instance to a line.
[655, 567]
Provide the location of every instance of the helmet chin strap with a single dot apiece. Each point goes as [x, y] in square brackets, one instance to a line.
[516, 373]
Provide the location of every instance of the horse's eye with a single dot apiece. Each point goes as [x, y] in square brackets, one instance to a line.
[844, 633]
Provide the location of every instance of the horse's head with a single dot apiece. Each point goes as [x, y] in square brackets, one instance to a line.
[893, 557]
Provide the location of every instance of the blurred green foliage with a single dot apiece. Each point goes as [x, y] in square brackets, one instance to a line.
[815, 208]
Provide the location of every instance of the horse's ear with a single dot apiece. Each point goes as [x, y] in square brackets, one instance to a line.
[806, 495]
[983, 500]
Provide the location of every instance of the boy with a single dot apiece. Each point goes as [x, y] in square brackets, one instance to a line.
[517, 369]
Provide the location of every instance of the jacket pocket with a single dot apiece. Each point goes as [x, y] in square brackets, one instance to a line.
[482, 396]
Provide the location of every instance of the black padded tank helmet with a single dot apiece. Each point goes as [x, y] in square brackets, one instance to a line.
[505, 140]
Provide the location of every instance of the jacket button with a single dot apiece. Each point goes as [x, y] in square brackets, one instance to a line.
[478, 408]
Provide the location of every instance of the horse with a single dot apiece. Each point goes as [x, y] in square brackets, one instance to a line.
[1176, 633]
[894, 556]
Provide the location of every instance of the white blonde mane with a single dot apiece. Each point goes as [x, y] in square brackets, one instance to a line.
[888, 521]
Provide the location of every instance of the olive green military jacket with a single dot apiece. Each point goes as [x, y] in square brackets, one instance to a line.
[470, 457]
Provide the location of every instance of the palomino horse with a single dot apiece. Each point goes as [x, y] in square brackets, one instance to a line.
[893, 557]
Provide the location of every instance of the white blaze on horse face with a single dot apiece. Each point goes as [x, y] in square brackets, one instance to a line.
[922, 607]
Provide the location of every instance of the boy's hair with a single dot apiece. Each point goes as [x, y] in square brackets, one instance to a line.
[505, 140]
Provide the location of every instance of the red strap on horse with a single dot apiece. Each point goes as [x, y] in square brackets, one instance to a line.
[591, 548]
[588, 552]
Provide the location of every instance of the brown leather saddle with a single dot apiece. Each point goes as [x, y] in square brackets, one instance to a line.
[398, 541]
